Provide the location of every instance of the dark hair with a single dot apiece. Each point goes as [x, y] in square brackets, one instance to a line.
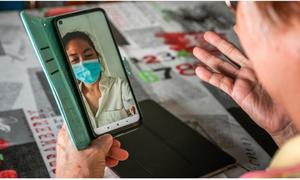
[77, 35]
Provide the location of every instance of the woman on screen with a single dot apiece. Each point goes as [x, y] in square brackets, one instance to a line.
[107, 99]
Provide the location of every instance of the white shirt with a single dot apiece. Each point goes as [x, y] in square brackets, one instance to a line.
[115, 101]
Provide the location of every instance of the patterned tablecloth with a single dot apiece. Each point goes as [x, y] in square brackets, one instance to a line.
[157, 40]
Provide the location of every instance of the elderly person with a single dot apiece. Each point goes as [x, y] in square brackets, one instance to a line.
[265, 83]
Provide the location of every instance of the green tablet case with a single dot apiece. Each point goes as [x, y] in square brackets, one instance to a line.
[46, 45]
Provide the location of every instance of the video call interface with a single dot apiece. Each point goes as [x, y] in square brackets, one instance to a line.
[97, 70]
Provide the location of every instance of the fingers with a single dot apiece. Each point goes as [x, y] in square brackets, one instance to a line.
[111, 162]
[63, 139]
[103, 143]
[116, 143]
[215, 63]
[216, 79]
[62, 131]
[118, 153]
[226, 48]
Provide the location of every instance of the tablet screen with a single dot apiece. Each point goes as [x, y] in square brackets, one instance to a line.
[98, 70]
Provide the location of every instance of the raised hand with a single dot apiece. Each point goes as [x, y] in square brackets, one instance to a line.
[239, 81]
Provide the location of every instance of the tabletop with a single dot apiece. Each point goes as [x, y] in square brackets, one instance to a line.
[162, 70]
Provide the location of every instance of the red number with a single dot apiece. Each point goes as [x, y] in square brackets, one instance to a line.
[186, 69]
[150, 59]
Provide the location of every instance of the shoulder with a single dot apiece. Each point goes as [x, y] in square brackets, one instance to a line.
[285, 163]
[288, 154]
[115, 81]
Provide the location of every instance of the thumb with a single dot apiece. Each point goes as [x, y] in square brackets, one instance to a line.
[103, 143]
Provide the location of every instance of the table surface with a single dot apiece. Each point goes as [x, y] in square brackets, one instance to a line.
[25, 94]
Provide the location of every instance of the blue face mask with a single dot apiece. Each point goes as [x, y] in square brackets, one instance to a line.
[87, 71]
